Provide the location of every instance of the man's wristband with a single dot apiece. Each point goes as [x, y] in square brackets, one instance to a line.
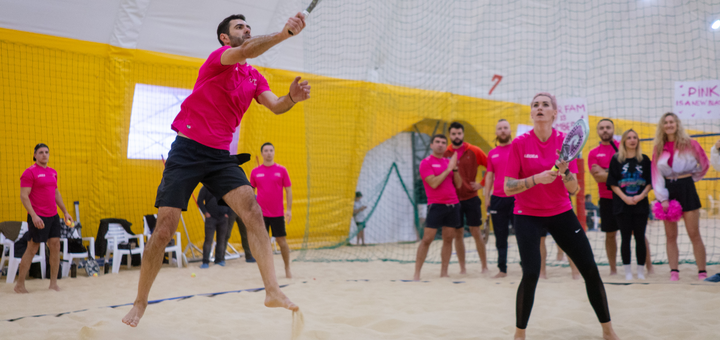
[289, 96]
[533, 178]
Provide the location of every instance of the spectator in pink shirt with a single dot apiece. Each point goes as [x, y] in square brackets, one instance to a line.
[224, 90]
[542, 205]
[440, 179]
[39, 194]
[269, 179]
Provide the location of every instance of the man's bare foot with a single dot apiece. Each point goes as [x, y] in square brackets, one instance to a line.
[278, 299]
[613, 272]
[463, 271]
[485, 270]
[133, 317]
[543, 275]
[651, 269]
[559, 256]
[611, 336]
[499, 275]
[288, 274]
[20, 289]
[576, 276]
[54, 287]
[519, 334]
[444, 275]
[416, 277]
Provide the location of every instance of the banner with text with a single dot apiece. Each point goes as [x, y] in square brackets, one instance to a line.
[697, 99]
[569, 111]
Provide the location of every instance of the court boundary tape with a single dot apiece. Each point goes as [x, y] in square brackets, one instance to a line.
[152, 302]
[254, 290]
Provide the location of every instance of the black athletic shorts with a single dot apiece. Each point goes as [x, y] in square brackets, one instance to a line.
[683, 190]
[190, 163]
[51, 230]
[277, 224]
[471, 209]
[443, 215]
[608, 221]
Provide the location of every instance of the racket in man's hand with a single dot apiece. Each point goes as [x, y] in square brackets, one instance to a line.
[307, 11]
[574, 141]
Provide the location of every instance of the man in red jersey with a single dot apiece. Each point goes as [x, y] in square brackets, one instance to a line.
[469, 157]
[225, 87]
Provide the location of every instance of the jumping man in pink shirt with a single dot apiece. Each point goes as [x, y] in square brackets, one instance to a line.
[269, 179]
[39, 194]
[224, 90]
[440, 179]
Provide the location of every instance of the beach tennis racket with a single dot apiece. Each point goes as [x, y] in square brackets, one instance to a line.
[307, 11]
[574, 141]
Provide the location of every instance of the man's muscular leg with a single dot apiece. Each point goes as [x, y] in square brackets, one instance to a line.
[242, 201]
[167, 222]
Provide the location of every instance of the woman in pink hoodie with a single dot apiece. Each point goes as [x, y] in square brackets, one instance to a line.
[677, 163]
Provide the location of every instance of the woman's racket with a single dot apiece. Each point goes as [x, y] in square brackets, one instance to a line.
[307, 11]
[574, 141]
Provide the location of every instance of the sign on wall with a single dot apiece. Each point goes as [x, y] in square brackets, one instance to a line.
[697, 99]
[569, 111]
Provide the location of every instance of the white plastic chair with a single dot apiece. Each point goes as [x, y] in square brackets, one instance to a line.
[116, 235]
[177, 248]
[595, 218]
[713, 205]
[69, 257]
[14, 262]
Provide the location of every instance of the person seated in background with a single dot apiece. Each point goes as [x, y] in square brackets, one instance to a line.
[216, 217]
[590, 208]
[359, 216]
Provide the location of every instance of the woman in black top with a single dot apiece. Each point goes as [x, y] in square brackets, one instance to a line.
[630, 180]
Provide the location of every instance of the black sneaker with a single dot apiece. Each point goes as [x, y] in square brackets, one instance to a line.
[250, 260]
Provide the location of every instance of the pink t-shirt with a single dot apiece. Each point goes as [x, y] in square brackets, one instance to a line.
[43, 182]
[220, 98]
[601, 156]
[528, 156]
[497, 160]
[445, 192]
[270, 181]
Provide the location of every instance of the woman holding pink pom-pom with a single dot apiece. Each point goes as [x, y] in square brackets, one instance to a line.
[678, 162]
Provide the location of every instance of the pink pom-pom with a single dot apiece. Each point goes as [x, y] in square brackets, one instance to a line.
[673, 214]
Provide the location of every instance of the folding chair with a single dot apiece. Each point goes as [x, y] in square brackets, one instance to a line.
[177, 248]
[117, 235]
[14, 262]
[69, 257]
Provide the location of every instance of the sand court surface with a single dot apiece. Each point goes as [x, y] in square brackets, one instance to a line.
[362, 300]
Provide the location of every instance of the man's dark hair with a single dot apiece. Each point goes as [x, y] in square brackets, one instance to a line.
[439, 135]
[588, 196]
[224, 26]
[606, 120]
[456, 125]
[266, 144]
[502, 120]
[40, 145]
[358, 194]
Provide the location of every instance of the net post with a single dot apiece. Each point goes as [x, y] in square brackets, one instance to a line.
[580, 197]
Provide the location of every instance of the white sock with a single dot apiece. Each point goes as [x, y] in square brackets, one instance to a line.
[628, 272]
[641, 272]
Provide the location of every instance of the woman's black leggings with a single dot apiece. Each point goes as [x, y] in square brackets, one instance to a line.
[570, 236]
[633, 224]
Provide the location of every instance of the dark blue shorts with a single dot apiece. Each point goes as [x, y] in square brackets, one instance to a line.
[51, 229]
[443, 215]
[190, 163]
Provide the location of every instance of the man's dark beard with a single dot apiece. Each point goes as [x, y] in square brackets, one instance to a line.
[236, 41]
[460, 143]
[602, 138]
[504, 141]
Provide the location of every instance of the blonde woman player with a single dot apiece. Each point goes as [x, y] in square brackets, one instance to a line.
[677, 163]
[542, 204]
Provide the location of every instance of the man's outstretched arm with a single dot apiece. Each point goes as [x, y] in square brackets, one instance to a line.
[256, 46]
[298, 92]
